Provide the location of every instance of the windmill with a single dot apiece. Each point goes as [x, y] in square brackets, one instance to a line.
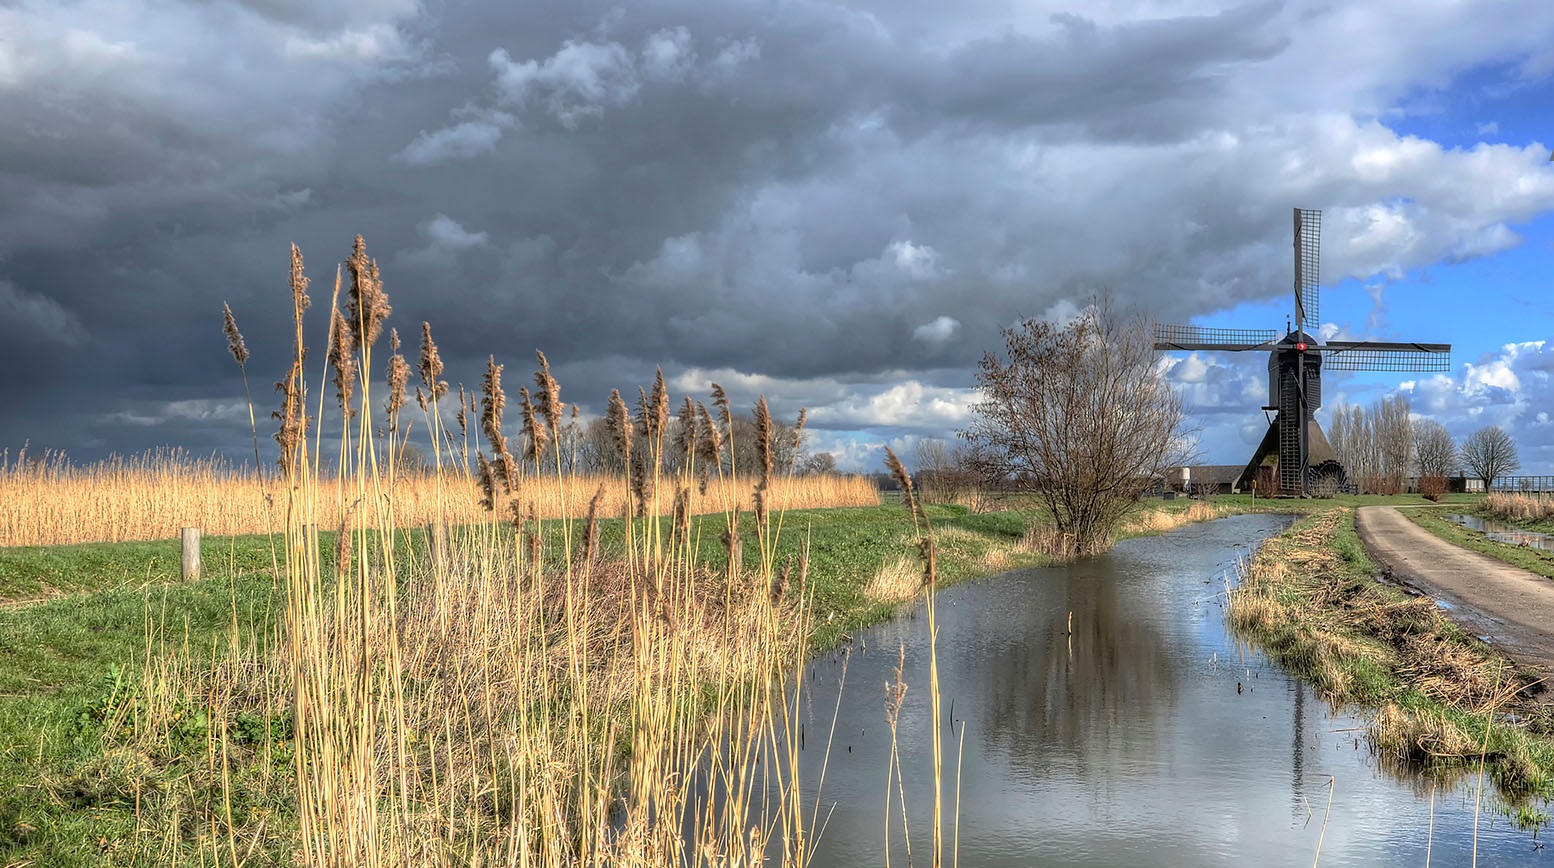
[1295, 454]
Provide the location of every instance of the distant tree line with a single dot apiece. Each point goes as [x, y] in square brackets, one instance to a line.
[1383, 447]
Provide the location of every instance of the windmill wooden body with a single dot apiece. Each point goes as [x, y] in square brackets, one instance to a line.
[1294, 457]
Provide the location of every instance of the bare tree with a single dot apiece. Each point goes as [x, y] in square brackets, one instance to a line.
[1435, 453]
[1080, 416]
[818, 464]
[1490, 454]
[944, 474]
[1393, 429]
[1375, 446]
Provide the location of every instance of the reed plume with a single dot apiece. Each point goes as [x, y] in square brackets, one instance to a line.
[369, 305]
[431, 366]
[398, 376]
[548, 391]
[342, 357]
[685, 432]
[763, 438]
[292, 415]
[904, 481]
[503, 466]
[235, 343]
[659, 400]
[591, 528]
[299, 287]
[763, 446]
[711, 438]
[798, 430]
[420, 399]
[463, 416]
[618, 422]
[494, 403]
[239, 350]
[643, 422]
[720, 401]
[486, 477]
[533, 431]
[642, 486]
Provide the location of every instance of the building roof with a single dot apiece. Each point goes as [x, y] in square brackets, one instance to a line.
[1216, 474]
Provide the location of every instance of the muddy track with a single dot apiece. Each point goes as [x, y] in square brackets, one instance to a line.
[1509, 607]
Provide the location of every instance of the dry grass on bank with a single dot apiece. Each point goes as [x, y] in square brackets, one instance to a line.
[1520, 508]
[896, 581]
[1162, 520]
[52, 502]
[1310, 599]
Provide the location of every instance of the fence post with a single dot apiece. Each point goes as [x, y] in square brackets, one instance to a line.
[191, 553]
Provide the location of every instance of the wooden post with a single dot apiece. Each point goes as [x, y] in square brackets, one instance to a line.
[437, 544]
[191, 553]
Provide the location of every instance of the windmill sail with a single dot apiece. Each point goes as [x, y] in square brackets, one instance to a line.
[1308, 268]
[1387, 356]
[1186, 337]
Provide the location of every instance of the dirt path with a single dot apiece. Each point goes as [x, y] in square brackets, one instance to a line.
[1510, 607]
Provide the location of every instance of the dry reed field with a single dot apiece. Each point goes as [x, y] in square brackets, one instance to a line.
[49, 501]
[499, 695]
[1520, 508]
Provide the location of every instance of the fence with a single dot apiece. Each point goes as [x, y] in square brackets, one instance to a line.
[1525, 484]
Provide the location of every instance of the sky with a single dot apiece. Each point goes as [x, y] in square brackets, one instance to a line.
[839, 204]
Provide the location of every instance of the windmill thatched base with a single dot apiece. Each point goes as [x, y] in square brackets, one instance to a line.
[1262, 472]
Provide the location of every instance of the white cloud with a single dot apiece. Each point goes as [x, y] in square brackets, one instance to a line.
[891, 399]
[374, 42]
[905, 405]
[667, 54]
[914, 260]
[445, 239]
[576, 82]
[938, 332]
[461, 141]
[200, 410]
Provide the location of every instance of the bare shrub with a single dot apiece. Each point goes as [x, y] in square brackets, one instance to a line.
[1432, 487]
[1080, 416]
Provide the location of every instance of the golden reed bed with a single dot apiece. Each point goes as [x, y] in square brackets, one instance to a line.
[53, 503]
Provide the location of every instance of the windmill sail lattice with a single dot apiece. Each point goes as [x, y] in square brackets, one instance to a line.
[1294, 456]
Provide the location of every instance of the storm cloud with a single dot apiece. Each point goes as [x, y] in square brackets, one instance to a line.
[840, 204]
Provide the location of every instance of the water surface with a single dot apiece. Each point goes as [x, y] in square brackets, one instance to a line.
[1500, 531]
[1148, 736]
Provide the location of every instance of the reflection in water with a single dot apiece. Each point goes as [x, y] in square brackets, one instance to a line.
[1500, 531]
[1070, 699]
[1147, 737]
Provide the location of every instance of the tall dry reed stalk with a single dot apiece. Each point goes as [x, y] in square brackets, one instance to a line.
[497, 701]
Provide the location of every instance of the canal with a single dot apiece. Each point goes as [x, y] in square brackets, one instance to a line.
[1146, 736]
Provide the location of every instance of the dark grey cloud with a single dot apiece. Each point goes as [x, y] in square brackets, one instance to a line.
[841, 202]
